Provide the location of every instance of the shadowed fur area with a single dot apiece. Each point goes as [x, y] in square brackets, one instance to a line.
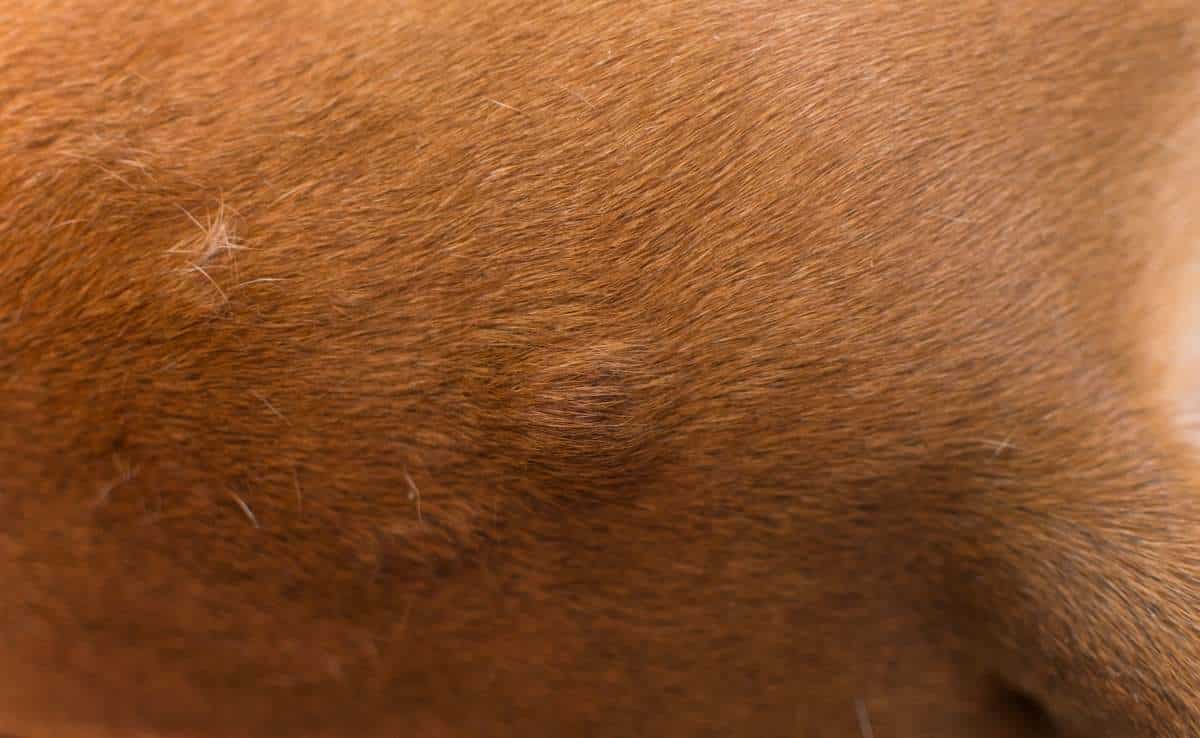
[470, 368]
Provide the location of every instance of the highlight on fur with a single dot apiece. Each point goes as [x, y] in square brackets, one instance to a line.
[497, 367]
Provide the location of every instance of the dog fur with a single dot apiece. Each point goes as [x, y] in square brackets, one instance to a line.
[595, 368]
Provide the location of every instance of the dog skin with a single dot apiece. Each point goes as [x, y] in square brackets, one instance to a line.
[502, 368]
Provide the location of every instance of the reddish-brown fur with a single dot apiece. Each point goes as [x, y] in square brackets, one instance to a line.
[596, 368]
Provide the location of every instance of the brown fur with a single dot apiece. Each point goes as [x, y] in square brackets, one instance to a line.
[505, 368]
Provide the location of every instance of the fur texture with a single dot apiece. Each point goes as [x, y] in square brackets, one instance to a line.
[692, 368]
